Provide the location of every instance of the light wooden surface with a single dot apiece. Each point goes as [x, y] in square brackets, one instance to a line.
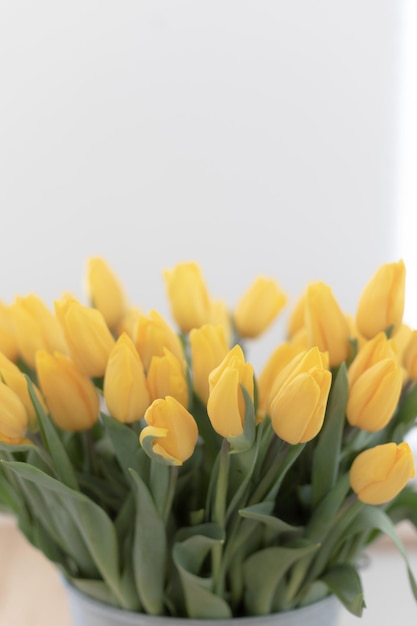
[31, 593]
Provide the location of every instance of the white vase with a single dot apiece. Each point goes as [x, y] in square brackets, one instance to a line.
[86, 611]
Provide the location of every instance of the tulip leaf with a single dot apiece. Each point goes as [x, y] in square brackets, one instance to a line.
[345, 583]
[404, 506]
[96, 589]
[125, 443]
[149, 549]
[52, 442]
[407, 409]
[328, 449]
[274, 563]
[374, 518]
[189, 554]
[262, 513]
[83, 520]
[324, 515]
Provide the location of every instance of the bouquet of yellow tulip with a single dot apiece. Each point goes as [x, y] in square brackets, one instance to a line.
[163, 476]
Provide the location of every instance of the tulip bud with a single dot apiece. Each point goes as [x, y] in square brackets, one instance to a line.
[129, 322]
[166, 377]
[8, 341]
[188, 296]
[410, 356]
[13, 416]
[220, 316]
[36, 328]
[326, 324]
[259, 307]
[70, 396]
[172, 432]
[105, 292]
[226, 403]
[299, 397]
[374, 396]
[87, 334]
[13, 377]
[281, 356]
[125, 389]
[208, 349]
[379, 474]
[381, 304]
[372, 352]
[153, 334]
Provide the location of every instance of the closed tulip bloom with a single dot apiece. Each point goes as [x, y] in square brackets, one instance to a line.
[381, 304]
[8, 341]
[208, 349]
[299, 397]
[379, 474]
[13, 416]
[188, 296]
[173, 430]
[153, 334]
[87, 335]
[125, 389]
[220, 316]
[410, 356]
[226, 402]
[259, 307]
[166, 377]
[105, 291]
[71, 397]
[129, 322]
[13, 377]
[281, 356]
[374, 396]
[36, 328]
[372, 352]
[326, 324]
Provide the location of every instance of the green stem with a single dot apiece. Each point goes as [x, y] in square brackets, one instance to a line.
[173, 475]
[219, 516]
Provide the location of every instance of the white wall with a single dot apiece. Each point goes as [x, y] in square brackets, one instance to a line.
[252, 136]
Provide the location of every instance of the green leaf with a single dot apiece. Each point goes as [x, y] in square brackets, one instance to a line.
[273, 562]
[189, 554]
[126, 446]
[52, 442]
[262, 513]
[149, 549]
[96, 589]
[87, 520]
[324, 515]
[345, 583]
[328, 449]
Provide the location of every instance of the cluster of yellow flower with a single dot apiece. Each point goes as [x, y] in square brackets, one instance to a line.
[146, 370]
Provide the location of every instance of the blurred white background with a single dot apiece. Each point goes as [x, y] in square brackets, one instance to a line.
[269, 136]
[253, 137]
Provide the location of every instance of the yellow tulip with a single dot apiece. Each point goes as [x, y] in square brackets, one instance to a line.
[281, 356]
[13, 416]
[381, 304]
[166, 377]
[220, 316]
[299, 397]
[326, 324]
[188, 296]
[70, 396]
[374, 395]
[129, 322]
[125, 389]
[410, 356]
[8, 341]
[208, 349]
[105, 291]
[226, 402]
[36, 328]
[259, 307]
[87, 334]
[372, 352]
[153, 334]
[379, 474]
[173, 430]
[13, 377]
